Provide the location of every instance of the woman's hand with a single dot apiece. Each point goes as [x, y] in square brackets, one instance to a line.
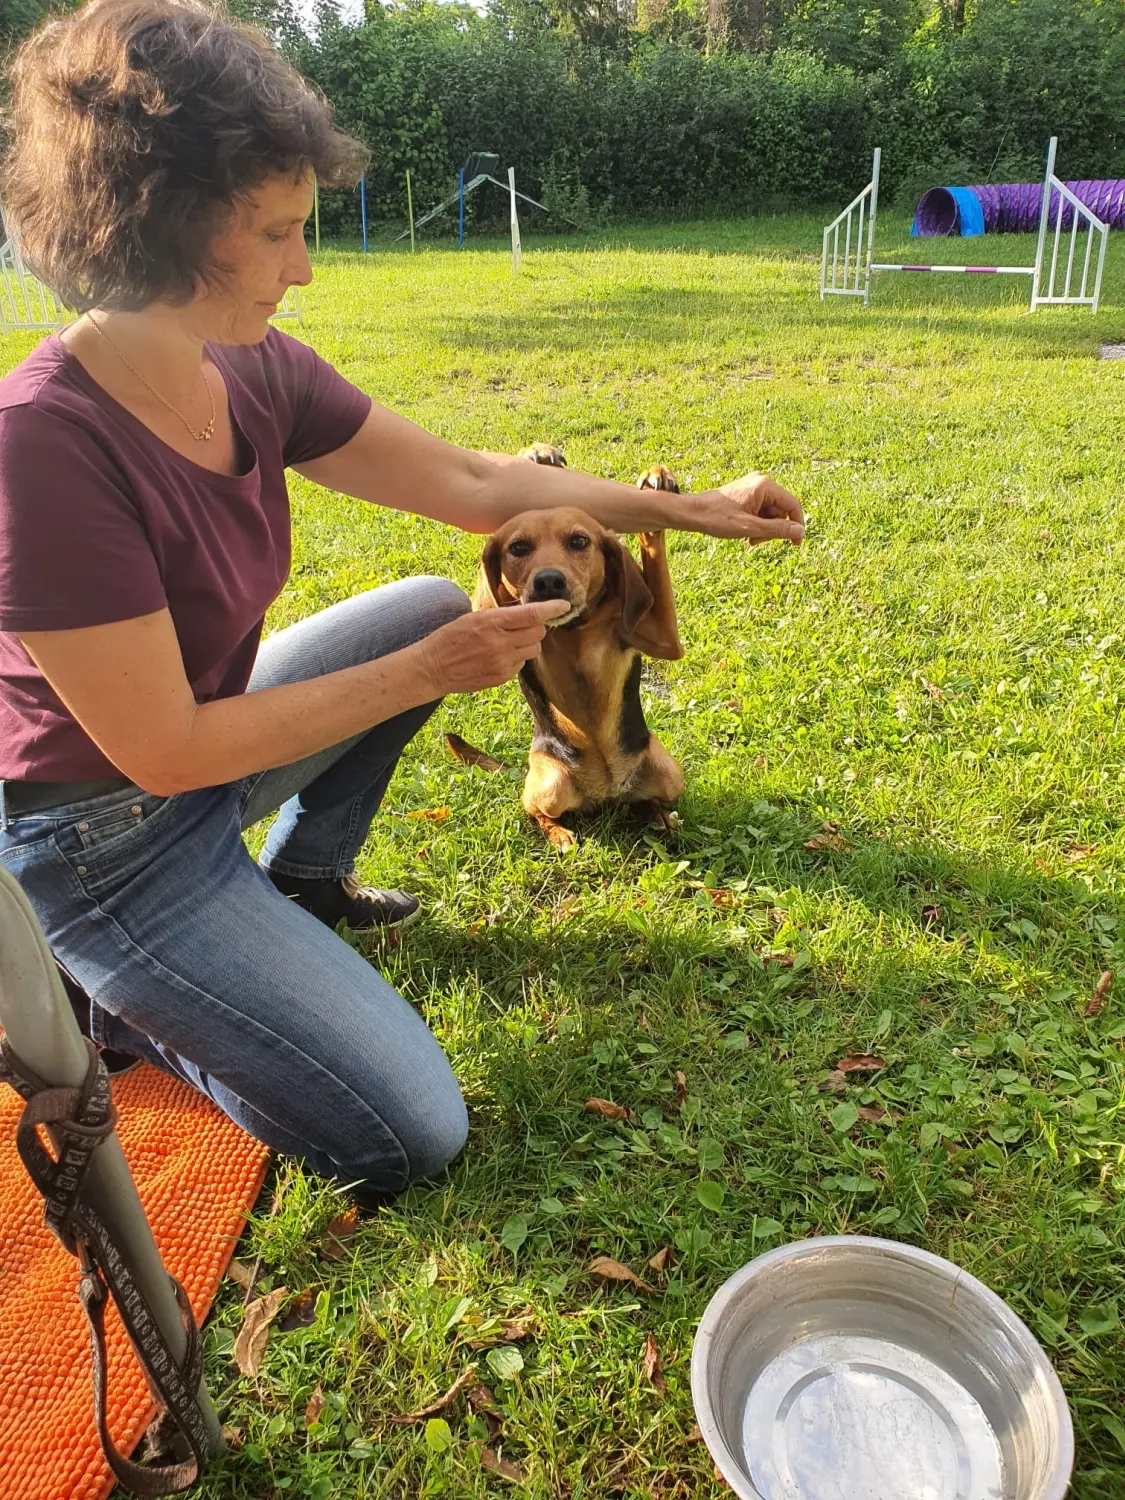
[486, 648]
[754, 509]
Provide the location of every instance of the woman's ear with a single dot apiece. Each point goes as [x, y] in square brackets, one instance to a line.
[623, 579]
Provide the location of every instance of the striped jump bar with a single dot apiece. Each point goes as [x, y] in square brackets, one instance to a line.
[966, 270]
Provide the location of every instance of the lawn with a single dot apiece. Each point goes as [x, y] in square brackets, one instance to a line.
[902, 835]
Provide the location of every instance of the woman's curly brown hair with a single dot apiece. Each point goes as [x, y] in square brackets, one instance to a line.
[134, 126]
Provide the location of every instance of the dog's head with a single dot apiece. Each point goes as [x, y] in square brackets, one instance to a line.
[561, 554]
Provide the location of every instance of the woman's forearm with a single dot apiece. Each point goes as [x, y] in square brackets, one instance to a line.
[234, 737]
[503, 486]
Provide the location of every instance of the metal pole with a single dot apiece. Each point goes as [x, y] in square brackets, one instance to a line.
[1044, 215]
[363, 210]
[517, 248]
[316, 213]
[410, 209]
[823, 262]
[1101, 268]
[875, 163]
[461, 209]
[41, 1028]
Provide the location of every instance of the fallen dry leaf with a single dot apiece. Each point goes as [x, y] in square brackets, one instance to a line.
[721, 898]
[612, 1270]
[694, 1436]
[471, 756]
[250, 1344]
[431, 814]
[241, 1275]
[607, 1109]
[509, 1332]
[233, 1437]
[468, 1378]
[483, 1402]
[861, 1062]
[835, 1083]
[519, 1327]
[314, 1408]
[873, 1113]
[1081, 851]
[654, 1374]
[662, 1259]
[1100, 995]
[490, 1460]
[300, 1313]
[681, 1089]
[832, 839]
[342, 1227]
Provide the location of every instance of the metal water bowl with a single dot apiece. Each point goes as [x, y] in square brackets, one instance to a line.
[850, 1368]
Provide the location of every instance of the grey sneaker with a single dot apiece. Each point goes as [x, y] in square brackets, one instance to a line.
[362, 907]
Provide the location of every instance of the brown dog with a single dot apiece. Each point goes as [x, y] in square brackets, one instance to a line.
[591, 742]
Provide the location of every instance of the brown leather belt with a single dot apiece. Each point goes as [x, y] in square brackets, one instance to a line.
[21, 797]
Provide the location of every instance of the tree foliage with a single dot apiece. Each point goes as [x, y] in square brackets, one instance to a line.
[677, 106]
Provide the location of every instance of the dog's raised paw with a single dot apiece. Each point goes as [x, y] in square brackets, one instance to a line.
[543, 453]
[657, 477]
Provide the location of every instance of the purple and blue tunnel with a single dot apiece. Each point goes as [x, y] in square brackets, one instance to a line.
[1011, 208]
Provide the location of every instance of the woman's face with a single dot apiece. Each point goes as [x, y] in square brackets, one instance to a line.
[259, 254]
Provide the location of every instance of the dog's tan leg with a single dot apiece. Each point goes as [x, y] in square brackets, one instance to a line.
[658, 785]
[549, 793]
[658, 633]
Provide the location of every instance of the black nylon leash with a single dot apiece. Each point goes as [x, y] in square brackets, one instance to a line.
[79, 1119]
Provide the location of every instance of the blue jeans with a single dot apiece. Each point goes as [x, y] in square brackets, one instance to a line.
[195, 962]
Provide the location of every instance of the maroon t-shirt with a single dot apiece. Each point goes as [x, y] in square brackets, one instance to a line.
[101, 521]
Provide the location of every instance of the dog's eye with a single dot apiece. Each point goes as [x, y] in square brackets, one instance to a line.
[519, 548]
[578, 542]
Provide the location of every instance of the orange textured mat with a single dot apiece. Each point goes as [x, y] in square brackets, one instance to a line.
[198, 1175]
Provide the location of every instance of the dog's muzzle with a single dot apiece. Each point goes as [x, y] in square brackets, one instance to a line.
[550, 583]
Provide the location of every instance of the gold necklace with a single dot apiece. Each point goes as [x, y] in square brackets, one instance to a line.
[207, 433]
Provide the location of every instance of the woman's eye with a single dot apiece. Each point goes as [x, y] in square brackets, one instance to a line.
[519, 549]
[578, 542]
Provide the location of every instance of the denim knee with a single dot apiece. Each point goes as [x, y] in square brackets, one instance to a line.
[441, 600]
[442, 1131]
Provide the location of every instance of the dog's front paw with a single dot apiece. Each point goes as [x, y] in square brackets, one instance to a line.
[558, 835]
[543, 453]
[657, 477]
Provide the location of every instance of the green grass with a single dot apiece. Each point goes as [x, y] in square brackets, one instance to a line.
[938, 671]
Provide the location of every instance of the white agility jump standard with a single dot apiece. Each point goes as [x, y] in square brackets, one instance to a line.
[848, 274]
[25, 303]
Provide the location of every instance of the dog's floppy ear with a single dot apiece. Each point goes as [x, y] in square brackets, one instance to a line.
[623, 579]
[490, 592]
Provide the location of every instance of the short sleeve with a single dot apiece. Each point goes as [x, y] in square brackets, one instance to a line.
[318, 410]
[73, 550]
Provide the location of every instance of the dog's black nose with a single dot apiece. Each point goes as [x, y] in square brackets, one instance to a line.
[549, 583]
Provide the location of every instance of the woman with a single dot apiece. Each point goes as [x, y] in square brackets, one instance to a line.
[159, 178]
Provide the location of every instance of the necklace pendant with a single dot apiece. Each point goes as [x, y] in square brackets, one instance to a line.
[208, 432]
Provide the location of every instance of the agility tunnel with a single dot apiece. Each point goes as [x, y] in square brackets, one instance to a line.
[1012, 208]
